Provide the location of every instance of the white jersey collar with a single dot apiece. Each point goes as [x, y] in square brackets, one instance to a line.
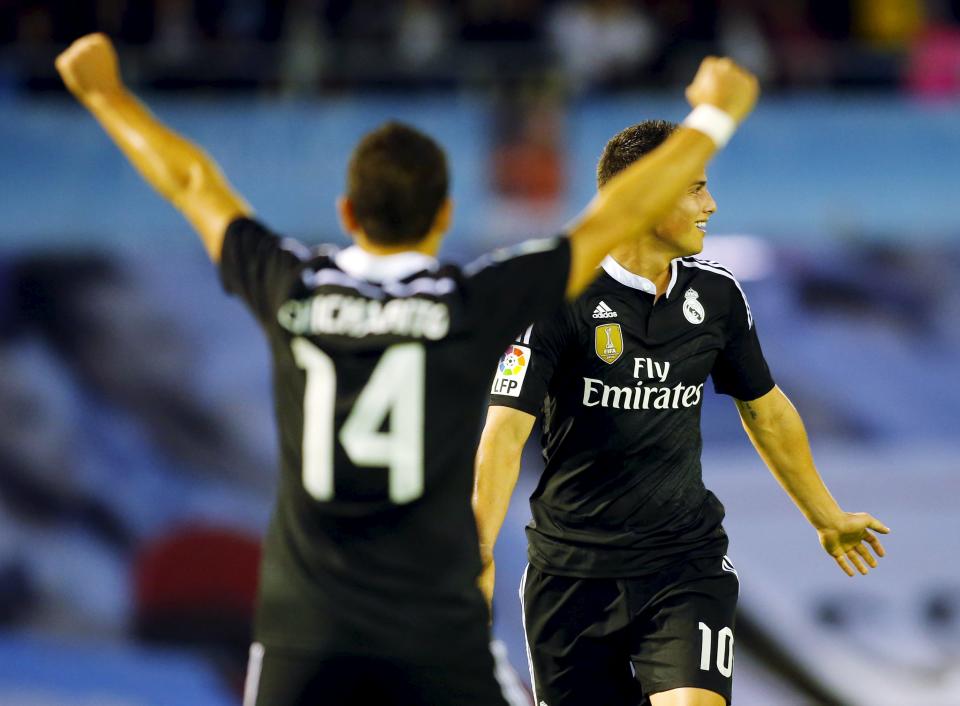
[626, 277]
[360, 264]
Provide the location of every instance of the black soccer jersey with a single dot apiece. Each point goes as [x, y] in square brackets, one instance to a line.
[619, 379]
[381, 368]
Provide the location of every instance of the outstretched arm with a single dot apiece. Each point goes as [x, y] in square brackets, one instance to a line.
[182, 172]
[777, 432]
[642, 194]
[497, 469]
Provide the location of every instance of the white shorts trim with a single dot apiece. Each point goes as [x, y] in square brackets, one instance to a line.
[254, 667]
[526, 640]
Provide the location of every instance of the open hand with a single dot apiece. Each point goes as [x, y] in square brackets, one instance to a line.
[849, 541]
[722, 83]
[89, 66]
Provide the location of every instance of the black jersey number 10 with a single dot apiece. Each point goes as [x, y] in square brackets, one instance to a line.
[395, 388]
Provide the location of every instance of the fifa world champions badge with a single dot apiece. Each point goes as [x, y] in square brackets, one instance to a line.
[511, 371]
[608, 343]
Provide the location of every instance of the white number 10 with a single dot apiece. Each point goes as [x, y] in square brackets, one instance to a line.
[724, 649]
[396, 388]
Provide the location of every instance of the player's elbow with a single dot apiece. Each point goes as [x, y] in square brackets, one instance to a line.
[776, 425]
[202, 175]
[503, 442]
[197, 174]
[494, 457]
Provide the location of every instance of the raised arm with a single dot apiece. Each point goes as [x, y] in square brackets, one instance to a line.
[497, 469]
[722, 95]
[778, 434]
[182, 172]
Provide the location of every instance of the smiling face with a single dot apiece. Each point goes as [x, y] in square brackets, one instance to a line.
[683, 230]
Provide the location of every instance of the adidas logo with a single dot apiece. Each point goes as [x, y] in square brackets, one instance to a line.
[603, 311]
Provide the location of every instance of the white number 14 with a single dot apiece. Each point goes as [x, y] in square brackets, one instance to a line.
[395, 389]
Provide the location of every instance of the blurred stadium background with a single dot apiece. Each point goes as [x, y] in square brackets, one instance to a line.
[136, 432]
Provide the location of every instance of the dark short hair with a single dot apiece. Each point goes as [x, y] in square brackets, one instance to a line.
[629, 145]
[397, 181]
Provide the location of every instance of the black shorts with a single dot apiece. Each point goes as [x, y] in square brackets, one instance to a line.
[616, 641]
[290, 677]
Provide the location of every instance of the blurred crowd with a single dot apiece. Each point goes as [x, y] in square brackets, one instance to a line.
[136, 473]
[131, 503]
[302, 46]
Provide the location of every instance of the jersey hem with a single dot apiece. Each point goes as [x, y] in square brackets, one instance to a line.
[406, 653]
[659, 687]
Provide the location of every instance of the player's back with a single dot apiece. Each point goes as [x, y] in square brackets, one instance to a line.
[381, 367]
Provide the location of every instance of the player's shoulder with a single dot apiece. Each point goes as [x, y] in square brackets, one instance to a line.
[400, 276]
[703, 277]
[514, 255]
[255, 234]
[718, 276]
[710, 268]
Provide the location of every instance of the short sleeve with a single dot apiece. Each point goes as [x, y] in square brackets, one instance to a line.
[510, 288]
[740, 370]
[257, 266]
[525, 369]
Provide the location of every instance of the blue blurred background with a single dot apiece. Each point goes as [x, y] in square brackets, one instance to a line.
[136, 443]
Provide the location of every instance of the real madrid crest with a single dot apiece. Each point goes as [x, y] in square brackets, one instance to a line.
[608, 343]
[692, 308]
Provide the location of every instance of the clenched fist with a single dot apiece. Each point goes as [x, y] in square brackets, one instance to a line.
[721, 83]
[88, 67]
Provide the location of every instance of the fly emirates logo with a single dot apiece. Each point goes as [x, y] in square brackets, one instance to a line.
[650, 391]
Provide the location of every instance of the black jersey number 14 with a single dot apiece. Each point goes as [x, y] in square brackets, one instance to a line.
[395, 388]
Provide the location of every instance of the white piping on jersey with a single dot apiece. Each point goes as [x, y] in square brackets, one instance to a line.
[626, 277]
[315, 279]
[375, 275]
[361, 264]
[716, 268]
[296, 248]
[525, 336]
[422, 285]
[527, 247]
[712, 263]
[673, 277]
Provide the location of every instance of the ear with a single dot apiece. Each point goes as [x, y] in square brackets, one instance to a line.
[444, 217]
[348, 221]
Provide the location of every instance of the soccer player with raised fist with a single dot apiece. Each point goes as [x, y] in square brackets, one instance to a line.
[381, 360]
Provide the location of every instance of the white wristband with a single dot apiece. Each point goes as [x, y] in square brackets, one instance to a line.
[716, 124]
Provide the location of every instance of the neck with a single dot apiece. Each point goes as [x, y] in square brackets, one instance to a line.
[643, 257]
[428, 246]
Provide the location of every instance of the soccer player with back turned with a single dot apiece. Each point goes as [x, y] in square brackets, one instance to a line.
[368, 588]
[629, 596]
